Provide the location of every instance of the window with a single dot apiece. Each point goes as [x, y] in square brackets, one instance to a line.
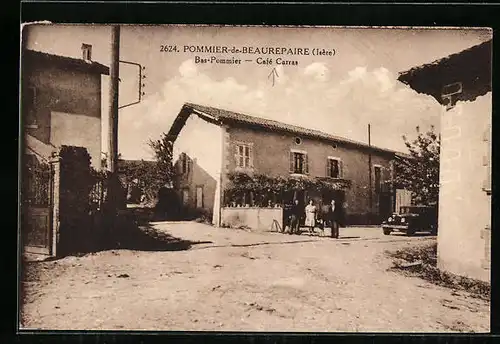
[377, 171]
[299, 162]
[243, 155]
[185, 197]
[334, 167]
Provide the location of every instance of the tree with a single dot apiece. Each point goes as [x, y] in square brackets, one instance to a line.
[419, 172]
[150, 176]
[163, 151]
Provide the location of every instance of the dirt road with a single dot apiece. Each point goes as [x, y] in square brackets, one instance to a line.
[234, 280]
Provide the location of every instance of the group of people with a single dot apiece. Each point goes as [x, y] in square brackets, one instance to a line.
[330, 215]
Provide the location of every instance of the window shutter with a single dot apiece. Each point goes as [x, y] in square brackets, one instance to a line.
[341, 169]
[236, 155]
[292, 162]
[328, 168]
[306, 164]
[250, 155]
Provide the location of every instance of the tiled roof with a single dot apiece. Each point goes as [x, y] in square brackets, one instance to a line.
[33, 56]
[439, 62]
[471, 67]
[225, 116]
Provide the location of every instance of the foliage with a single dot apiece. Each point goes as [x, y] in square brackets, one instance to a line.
[266, 188]
[419, 172]
[163, 151]
[421, 261]
[149, 176]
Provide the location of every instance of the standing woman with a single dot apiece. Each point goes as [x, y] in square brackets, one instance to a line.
[310, 216]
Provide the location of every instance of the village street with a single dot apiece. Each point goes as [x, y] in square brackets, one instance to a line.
[235, 280]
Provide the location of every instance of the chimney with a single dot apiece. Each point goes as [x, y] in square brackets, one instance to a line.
[86, 52]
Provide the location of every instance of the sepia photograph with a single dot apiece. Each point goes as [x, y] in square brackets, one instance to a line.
[255, 178]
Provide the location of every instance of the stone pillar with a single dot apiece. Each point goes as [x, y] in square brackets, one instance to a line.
[55, 168]
[221, 180]
[486, 235]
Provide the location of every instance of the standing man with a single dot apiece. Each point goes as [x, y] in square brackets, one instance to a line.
[334, 217]
[295, 215]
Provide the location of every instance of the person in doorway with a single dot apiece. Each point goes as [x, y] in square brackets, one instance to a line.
[310, 216]
[334, 218]
[295, 215]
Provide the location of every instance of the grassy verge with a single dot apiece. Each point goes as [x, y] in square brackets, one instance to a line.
[421, 261]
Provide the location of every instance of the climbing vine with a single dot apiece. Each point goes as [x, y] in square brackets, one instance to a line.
[264, 189]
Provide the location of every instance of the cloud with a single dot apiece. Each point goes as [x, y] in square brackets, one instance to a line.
[344, 107]
[319, 71]
[188, 69]
[356, 73]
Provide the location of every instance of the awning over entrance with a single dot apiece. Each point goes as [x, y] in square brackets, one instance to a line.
[37, 147]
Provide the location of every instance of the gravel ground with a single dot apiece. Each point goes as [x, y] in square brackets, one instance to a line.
[235, 280]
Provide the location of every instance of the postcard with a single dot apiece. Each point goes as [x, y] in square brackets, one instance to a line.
[255, 178]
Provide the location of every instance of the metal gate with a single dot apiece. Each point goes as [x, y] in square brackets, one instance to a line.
[36, 222]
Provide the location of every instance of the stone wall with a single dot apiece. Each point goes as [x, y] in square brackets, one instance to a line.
[464, 203]
[261, 219]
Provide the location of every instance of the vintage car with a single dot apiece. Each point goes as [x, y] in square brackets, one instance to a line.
[412, 219]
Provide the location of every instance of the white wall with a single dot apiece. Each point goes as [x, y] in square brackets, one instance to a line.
[403, 198]
[77, 130]
[202, 142]
[464, 207]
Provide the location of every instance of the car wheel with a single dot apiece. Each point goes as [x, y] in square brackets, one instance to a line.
[387, 231]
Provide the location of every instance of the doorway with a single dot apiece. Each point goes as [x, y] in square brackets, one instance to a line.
[384, 206]
[199, 197]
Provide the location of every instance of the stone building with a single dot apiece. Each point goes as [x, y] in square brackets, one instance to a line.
[209, 143]
[60, 116]
[61, 102]
[461, 83]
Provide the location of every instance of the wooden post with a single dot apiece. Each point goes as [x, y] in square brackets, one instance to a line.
[55, 169]
[114, 73]
[114, 188]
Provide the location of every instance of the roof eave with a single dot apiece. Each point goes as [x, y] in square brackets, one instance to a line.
[219, 120]
[79, 64]
[431, 78]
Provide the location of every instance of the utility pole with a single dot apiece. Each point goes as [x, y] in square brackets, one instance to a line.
[370, 197]
[114, 73]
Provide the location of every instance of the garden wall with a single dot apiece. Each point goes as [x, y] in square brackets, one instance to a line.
[257, 218]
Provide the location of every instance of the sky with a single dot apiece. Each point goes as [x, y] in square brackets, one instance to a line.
[339, 94]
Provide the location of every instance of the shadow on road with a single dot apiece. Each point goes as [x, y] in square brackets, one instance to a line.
[146, 238]
[257, 244]
[418, 234]
[134, 232]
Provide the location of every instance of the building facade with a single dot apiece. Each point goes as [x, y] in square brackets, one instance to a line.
[61, 103]
[211, 143]
[461, 83]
